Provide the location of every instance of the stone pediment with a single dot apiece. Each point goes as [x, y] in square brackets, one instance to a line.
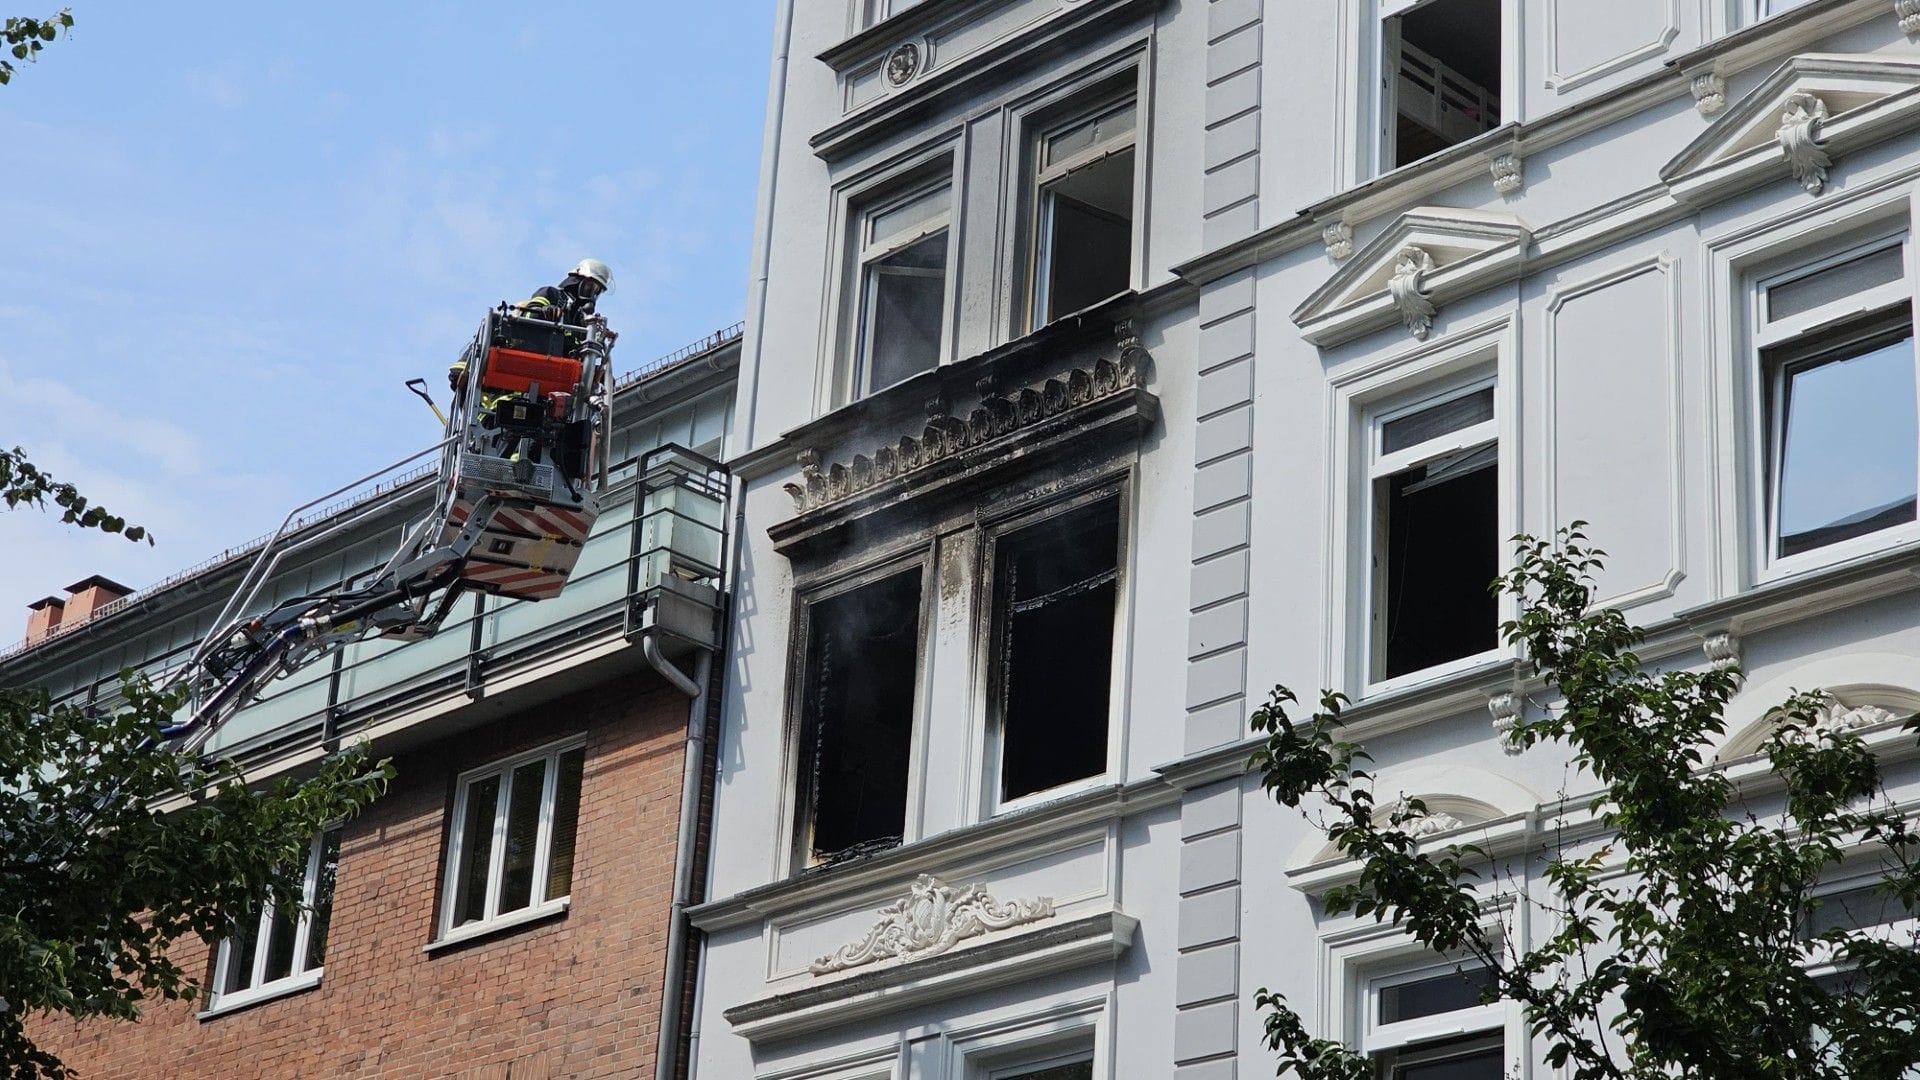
[1796, 122]
[1427, 257]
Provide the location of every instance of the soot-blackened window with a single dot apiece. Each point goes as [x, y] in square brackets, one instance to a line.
[1055, 590]
[862, 657]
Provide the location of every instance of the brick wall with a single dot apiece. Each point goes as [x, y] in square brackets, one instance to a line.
[577, 996]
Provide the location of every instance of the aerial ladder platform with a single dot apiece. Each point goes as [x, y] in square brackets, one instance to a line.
[522, 466]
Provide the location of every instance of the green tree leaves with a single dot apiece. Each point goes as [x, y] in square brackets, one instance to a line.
[23, 484]
[23, 38]
[1676, 945]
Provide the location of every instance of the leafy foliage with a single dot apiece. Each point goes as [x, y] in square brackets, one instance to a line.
[113, 847]
[1678, 938]
[24, 38]
[23, 484]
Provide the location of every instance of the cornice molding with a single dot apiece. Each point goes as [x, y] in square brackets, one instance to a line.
[1429, 256]
[1810, 110]
[998, 960]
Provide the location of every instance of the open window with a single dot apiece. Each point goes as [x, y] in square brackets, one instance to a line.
[1083, 210]
[1753, 11]
[901, 291]
[1055, 597]
[1842, 436]
[1070, 1067]
[1435, 535]
[861, 665]
[1435, 1023]
[1440, 68]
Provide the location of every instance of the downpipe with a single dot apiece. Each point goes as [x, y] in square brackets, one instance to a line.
[673, 986]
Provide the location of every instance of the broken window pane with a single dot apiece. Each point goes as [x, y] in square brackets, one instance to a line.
[906, 297]
[1846, 445]
[1087, 242]
[1443, 86]
[1439, 524]
[1055, 599]
[863, 653]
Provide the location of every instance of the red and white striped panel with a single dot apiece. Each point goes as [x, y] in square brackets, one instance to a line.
[543, 521]
[515, 581]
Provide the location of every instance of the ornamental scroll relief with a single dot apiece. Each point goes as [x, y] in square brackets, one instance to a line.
[931, 919]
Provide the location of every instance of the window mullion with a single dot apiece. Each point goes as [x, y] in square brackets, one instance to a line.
[304, 924]
[497, 853]
[263, 941]
[543, 832]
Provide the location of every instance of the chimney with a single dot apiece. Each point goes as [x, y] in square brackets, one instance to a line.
[89, 595]
[43, 617]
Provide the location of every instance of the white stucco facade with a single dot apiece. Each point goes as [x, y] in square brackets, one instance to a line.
[1597, 286]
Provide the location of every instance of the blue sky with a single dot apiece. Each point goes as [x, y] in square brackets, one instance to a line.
[237, 229]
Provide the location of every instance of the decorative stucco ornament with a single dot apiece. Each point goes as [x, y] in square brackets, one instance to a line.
[1723, 651]
[1710, 92]
[933, 918]
[1837, 719]
[1423, 825]
[1408, 290]
[1908, 12]
[1339, 240]
[1505, 707]
[1799, 136]
[903, 63]
[1508, 173]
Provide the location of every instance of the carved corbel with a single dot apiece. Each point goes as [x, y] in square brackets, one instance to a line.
[1508, 173]
[1408, 290]
[1505, 708]
[1709, 93]
[1134, 358]
[1908, 12]
[1339, 240]
[1723, 650]
[1799, 136]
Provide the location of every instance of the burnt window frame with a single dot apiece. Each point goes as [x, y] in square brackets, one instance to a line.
[1378, 467]
[990, 641]
[800, 801]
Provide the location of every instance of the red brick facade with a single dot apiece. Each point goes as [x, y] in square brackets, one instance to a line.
[574, 996]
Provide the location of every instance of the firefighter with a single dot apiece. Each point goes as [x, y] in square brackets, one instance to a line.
[569, 302]
[572, 300]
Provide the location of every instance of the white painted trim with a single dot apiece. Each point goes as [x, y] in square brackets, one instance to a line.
[223, 1004]
[1663, 263]
[498, 923]
[1560, 81]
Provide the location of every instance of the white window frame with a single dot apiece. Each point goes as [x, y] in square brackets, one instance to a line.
[1380, 466]
[1039, 261]
[541, 905]
[874, 12]
[1363, 74]
[1027, 1068]
[1121, 494]
[1750, 12]
[871, 248]
[301, 977]
[1822, 960]
[1378, 1038]
[1768, 399]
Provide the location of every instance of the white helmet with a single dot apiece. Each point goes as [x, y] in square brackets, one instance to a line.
[595, 270]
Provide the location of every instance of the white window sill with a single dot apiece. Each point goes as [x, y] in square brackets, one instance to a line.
[1436, 673]
[292, 984]
[463, 934]
[1052, 794]
[1858, 548]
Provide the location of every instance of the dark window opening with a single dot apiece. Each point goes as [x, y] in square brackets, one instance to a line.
[1442, 78]
[1440, 522]
[1089, 235]
[862, 658]
[1464, 1057]
[1447, 992]
[1055, 594]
